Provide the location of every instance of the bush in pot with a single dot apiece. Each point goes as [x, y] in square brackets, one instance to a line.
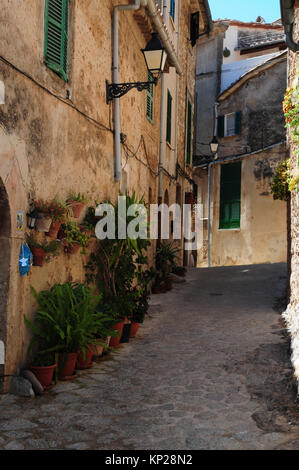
[43, 251]
[165, 258]
[67, 322]
[73, 238]
[77, 202]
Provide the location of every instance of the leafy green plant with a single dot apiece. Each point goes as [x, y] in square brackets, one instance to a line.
[113, 266]
[291, 113]
[165, 258]
[79, 197]
[280, 182]
[73, 235]
[51, 248]
[56, 209]
[67, 320]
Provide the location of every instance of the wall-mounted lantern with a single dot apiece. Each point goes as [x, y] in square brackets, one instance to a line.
[155, 58]
[32, 218]
[214, 145]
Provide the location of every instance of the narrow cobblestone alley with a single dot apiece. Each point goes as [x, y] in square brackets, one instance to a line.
[209, 369]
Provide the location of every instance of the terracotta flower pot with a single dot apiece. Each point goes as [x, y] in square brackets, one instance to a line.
[114, 341]
[44, 374]
[54, 229]
[39, 256]
[77, 208]
[134, 329]
[84, 360]
[97, 350]
[67, 363]
[43, 224]
[156, 290]
[169, 283]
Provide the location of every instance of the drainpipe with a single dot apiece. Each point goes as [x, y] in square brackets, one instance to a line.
[118, 8]
[162, 123]
[153, 13]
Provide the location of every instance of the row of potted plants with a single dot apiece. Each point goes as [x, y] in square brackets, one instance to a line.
[48, 216]
[70, 237]
[76, 321]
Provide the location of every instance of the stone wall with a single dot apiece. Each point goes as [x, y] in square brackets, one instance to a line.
[292, 313]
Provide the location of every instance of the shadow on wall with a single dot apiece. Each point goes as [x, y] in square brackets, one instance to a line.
[5, 227]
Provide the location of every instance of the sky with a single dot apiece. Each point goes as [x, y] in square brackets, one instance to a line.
[245, 10]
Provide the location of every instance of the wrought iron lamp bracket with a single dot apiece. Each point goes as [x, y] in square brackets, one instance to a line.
[116, 90]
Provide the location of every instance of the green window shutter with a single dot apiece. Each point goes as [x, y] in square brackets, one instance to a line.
[189, 133]
[56, 36]
[220, 124]
[230, 196]
[172, 9]
[169, 117]
[238, 122]
[150, 99]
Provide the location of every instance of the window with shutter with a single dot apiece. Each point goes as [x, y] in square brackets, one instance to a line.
[189, 133]
[230, 196]
[56, 36]
[194, 28]
[169, 117]
[229, 124]
[172, 9]
[150, 99]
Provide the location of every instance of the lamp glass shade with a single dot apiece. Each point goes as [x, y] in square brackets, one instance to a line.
[214, 146]
[155, 55]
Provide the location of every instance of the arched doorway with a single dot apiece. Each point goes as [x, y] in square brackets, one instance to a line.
[5, 230]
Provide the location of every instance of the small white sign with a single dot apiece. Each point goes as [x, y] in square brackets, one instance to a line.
[2, 353]
[2, 93]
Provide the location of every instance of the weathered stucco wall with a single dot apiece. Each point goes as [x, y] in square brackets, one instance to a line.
[57, 137]
[51, 145]
[262, 234]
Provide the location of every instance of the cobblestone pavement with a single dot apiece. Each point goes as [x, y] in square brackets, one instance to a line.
[209, 369]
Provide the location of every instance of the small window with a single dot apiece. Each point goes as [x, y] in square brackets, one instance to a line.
[56, 36]
[172, 9]
[150, 99]
[230, 196]
[229, 124]
[169, 117]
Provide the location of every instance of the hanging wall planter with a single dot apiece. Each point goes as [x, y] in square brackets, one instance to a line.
[43, 224]
[39, 256]
[54, 229]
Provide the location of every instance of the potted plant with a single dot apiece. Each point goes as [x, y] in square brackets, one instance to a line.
[43, 367]
[43, 251]
[165, 259]
[59, 211]
[77, 203]
[67, 323]
[44, 220]
[73, 238]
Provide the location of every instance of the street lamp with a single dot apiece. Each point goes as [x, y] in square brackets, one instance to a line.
[214, 145]
[155, 58]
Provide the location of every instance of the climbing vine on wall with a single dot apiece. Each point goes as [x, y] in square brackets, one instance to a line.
[291, 113]
[280, 184]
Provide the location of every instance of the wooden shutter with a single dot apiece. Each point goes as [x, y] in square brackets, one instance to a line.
[230, 196]
[150, 99]
[189, 133]
[56, 36]
[172, 9]
[194, 28]
[220, 124]
[169, 117]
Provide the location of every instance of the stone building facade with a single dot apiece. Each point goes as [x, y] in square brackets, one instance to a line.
[292, 313]
[57, 132]
[244, 225]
